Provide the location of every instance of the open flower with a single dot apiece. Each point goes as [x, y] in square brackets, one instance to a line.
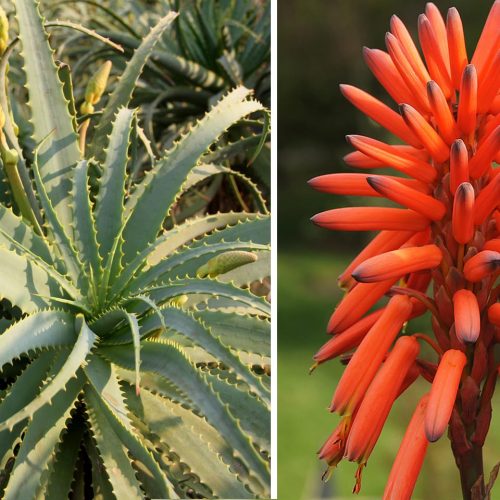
[440, 247]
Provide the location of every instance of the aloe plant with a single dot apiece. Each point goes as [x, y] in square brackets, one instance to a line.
[139, 365]
[214, 46]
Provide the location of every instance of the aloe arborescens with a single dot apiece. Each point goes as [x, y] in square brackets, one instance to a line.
[440, 253]
[132, 373]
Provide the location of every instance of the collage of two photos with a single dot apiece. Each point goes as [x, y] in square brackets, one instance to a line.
[249, 249]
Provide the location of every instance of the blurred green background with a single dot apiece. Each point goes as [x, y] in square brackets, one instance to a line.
[319, 46]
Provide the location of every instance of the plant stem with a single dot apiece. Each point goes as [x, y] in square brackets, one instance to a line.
[470, 466]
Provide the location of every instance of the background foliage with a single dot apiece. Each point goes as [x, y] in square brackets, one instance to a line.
[320, 44]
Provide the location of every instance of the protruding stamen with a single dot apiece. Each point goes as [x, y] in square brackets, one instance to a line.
[379, 398]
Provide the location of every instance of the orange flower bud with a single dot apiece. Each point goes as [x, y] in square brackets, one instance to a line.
[379, 112]
[426, 134]
[459, 170]
[356, 303]
[383, 242]
[369, 355]
[407, 72]
[467, 316]
[443, 393]
[410, 457]
[482, 265]
[379, 398]
[371, 219]
[384, 70]
[442, 113]
[467, 106]
[393, 157]
[398, 29]
[463, 213]
[394, 190]
[456, 46]
[346, 340]
[378, 401]
[433, 55]
[398, 263]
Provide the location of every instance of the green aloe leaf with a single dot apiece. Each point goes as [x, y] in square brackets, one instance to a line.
[167, 360]
[122, 93]
[150, 203]
[109, 203]
[76, 358]
[85, 231]
[40, 443]
[204, 451]
[48, 115]
[39, 331]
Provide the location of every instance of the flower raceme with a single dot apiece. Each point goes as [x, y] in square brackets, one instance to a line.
[437, 252]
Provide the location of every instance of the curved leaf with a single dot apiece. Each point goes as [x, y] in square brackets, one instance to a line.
[49, 111]
[41, 330]
[149, 204]
[76, 359]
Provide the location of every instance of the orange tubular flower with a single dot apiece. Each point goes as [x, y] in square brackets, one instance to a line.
[395, 264]
[369, 355]
[379, 112]
[371, 219]
[482, 265]
[379, 399]
[356, 303]
[346, 340]
[393, 157]
[467, 316]
[395, 190]
[463, 213]
[459, 170]
[437, 251]
[410, 457]
[443, 393]
[456, 46]
[385, 241]
[467, 107]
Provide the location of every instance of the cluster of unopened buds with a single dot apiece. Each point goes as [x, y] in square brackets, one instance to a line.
[439, 254]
